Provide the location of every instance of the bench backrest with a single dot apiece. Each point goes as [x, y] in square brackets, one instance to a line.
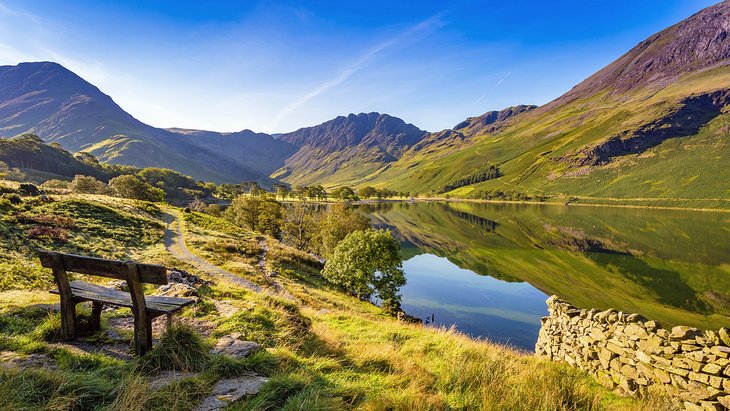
[148, 273]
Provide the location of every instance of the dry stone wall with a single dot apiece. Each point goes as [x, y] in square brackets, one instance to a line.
[628, 354]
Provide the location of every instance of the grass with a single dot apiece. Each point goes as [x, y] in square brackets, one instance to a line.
[324, 350]
[530, 151]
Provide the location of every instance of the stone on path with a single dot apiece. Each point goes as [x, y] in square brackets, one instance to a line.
[178, 290]
[233, 346]
[166, 378]
[228, 391]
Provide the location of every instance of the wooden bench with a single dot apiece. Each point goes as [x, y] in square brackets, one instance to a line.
[145, 309]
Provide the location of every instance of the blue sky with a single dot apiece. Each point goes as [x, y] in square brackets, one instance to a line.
[275, 66]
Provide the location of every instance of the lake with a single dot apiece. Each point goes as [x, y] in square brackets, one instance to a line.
[487, 269]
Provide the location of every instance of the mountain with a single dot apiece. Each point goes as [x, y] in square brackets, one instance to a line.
[345, 150]
[654, 125]
[52, 102]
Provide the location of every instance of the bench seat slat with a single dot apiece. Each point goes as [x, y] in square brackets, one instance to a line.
[155, 303]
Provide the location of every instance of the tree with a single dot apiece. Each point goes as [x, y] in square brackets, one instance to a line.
[87, 185]
[260, 214]
[129, 186]
[368, 263]
[335, 225]
[244, 212]
[367, 192]
[300, 226]
[281, 190]
[344, 193]
[316, 192]
[3, 169]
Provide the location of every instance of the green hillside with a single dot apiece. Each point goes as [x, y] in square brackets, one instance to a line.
[544, 151]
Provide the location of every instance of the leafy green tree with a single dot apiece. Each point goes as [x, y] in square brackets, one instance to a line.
[301, 222]
[87, 185]
[316, 192]
[281, 190]
[367, 192]
[344, 193]
[368, 263]
[4, 169]
[338, 221]
[260, 214]
[227, 191]
[129, 186]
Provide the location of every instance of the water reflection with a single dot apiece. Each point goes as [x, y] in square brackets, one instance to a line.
[480, 266]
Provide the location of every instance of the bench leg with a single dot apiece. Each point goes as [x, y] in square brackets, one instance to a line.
[142, 334]
[68, 320]
[169, 322]
[95, 322]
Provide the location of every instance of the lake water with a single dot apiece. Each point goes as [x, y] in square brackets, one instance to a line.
[487, 269]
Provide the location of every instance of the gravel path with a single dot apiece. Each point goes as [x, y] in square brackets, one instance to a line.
[176, 246]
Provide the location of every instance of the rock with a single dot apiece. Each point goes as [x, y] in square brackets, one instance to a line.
[228, 391]
[119, 285]
[724, 401]
[166, 378]
[177, 275]
[712, 369]
[233, 346]
[651, 325]
[682, 332]
[724, 335]
[632, 318]
[177, 290]
[10, 359]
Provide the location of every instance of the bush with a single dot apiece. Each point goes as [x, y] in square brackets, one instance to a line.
[87, 185]
[129, 186]
[13, 198]
[28, 189]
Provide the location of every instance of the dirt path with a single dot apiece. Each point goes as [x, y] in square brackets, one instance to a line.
[176, 246]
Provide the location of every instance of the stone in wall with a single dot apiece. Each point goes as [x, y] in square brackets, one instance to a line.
[628, 353]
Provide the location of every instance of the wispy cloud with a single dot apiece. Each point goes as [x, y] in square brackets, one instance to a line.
[425, 27]
[483, 96]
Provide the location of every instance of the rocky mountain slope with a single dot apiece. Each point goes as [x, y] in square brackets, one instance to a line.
[347, 149]
[652, 125]
[52, 102]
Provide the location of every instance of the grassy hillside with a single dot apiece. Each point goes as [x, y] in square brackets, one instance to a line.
[543, 151]
[324, 350]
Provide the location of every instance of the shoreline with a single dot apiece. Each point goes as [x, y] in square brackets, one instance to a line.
[551, 203]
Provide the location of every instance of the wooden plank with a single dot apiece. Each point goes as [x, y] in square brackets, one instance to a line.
[68, 305]
[157, 304]
[148, 273]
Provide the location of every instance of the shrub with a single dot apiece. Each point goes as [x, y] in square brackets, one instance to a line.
[87, 185]
[28, 189]
[46, 233]
[129, 186]
[13, 198]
